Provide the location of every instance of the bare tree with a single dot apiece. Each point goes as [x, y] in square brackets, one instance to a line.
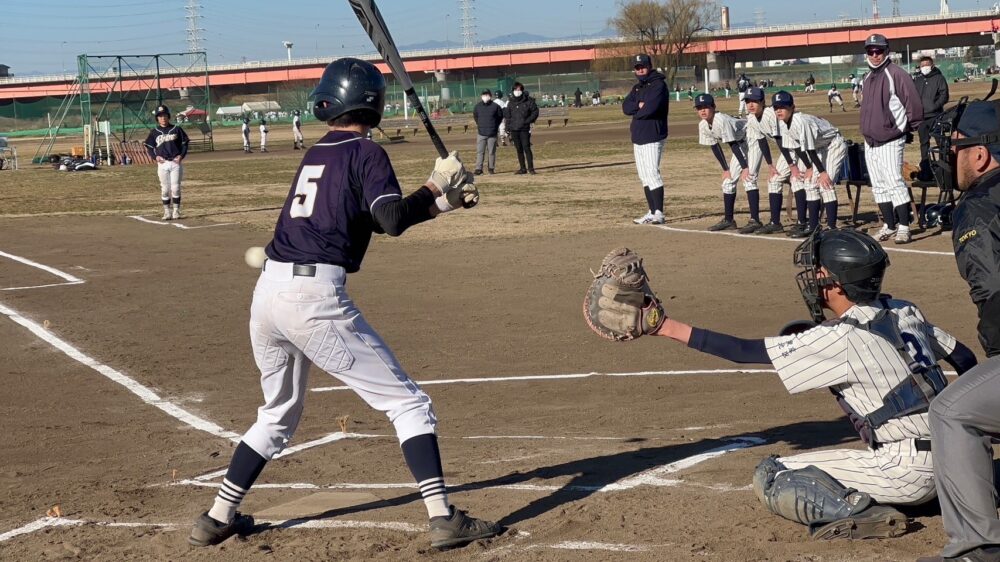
[664, 29]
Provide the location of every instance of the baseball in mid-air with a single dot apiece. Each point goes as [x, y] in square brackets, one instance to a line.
[255, 256]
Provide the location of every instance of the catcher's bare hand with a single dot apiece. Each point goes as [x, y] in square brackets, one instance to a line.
[620, 305]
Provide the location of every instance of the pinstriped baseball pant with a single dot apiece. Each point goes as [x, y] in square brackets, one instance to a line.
[754, 159]
[894, 474]
[833, 159]
[647, 163]
[729, 186]
[774, 183]
[885, 168]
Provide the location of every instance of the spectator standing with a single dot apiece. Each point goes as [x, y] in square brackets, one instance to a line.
[488, 117]
[521, 113]
[933, 89]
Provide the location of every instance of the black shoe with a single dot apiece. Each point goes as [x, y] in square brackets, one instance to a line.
[724, 224]
[478, 172]
[491, 171]
[521, 172]
[460, 529]
[802, 233]
[532, 172]
[208, 531]
[751, 227]
[770, 228]
[795, 228]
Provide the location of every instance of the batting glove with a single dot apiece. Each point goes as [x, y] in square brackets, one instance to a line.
[448, 173]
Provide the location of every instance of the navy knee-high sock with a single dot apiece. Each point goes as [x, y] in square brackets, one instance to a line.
[775, 200]
[729, 202]
[243, 472]
[424, 460]
[888, 214]
[753, 198]
[830, 209]
[902, 213]
[649, 197]
[800, 206]
[813, 207]
[656, 196]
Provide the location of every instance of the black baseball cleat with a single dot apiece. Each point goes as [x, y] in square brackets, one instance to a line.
[478, 172]
[751, 227]
[801, 233]
[491, 171]
[770, 228]
[209, 532]
[795, 228]
[521, 172]
[460, 529]
[531, 171]
[876, 522]
[724, 224]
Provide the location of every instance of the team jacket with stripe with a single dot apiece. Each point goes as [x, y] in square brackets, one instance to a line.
[891, 106]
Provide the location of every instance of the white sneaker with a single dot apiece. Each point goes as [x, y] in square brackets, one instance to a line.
[658, 218]
[644, 219]
[166, 213]
[886, 233]
[903, 235]
[177, 213]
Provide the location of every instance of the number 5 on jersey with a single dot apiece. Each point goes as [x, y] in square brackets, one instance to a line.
[305, 191]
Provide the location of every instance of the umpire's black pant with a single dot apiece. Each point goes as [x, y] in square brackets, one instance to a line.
[924, 130]
[522, 142]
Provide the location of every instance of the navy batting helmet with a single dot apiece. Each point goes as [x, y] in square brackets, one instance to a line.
[938, 215]
[853, 260]
[347, 85]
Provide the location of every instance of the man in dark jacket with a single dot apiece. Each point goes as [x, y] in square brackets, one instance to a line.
[578, 98]
[933, 89]
[488, 117]
[521, 112]
[890, 110]
[965, 415]
[648, 103]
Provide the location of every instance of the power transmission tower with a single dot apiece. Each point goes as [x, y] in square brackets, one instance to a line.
[874, 9]
[468, 24]
[944, 7]
[895, 9]
[759, 18]
[193, 31]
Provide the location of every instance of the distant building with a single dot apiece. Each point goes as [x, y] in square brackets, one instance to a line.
[4, 71]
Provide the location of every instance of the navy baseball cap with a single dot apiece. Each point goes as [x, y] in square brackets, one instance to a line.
[642, 59]
[877, 40]
[161, 110]
[982, 118]
[704, 100]
[782, 99]
[754, 94]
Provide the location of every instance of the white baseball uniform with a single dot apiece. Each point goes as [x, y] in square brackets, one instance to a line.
[246, 137]
[725, 129]
[885, 162]
[297, 130]
[833, 95]
[263, 137]
[863, 367]
[808, 132]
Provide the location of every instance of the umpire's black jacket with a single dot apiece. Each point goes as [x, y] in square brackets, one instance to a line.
[976, 237]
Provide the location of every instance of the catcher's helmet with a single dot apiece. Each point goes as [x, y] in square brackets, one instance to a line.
[938, 215]
[349, 84]
[854, 260]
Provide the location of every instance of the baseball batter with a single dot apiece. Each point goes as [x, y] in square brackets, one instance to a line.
[879, 357]
[298, 139]
[762, 124]
[890, 110]
[168, 145]
[263, 135]
[715, 129]
[833, 97]
[648, 103]
[821, 151]
[246, 135]
[344, 191]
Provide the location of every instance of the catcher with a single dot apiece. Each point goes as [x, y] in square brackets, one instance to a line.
[878, 356]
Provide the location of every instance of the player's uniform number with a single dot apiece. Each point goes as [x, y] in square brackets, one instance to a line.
[916, 350]
[305, 191]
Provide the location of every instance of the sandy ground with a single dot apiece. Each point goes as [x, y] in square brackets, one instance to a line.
[578, 468]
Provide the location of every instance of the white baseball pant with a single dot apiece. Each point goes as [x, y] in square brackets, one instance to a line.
[263, 141]
[647, 163]
[897, 473]
[297, 135]
[170, 174]
[885, 168]
[775, 184]
[833, 160]
[246, 140]
[298, 321]
[729, 185]
[743, 103]
[754, 159]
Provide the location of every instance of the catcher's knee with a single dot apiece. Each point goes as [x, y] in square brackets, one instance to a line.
[805, 495]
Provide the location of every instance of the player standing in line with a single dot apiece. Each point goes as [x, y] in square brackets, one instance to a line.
[345, 189]
[168, 145]
[297, 130]
[833, 95]
[246, 135]
[649, 105]
[965, 416]
[856, 90]
[890, 110]
[821, 150]
[714, 129]
[762, 124]
[879, 357]
[498, 99]
[263, 135]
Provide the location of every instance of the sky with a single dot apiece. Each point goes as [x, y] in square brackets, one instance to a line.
[44, 36]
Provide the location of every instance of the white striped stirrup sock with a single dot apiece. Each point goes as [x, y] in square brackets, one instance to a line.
[435, 497]
[227, 501]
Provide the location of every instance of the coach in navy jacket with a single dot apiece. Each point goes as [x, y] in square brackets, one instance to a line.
[648, 103]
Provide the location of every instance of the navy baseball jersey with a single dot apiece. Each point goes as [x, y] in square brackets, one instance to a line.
[327, 217]
[167, 142]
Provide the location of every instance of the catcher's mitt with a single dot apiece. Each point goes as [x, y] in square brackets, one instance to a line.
[619, 305]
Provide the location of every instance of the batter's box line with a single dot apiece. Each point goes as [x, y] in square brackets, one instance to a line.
[69, 279]
[177, 224]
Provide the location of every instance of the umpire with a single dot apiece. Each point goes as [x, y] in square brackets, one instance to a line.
[966, 415]
[648, 103]
[933, 89]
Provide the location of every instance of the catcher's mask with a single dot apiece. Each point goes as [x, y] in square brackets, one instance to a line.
[853, 260]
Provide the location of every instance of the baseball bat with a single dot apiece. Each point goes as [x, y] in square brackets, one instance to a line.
[371, 20]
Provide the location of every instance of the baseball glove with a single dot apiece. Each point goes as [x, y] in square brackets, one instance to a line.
[619, 305]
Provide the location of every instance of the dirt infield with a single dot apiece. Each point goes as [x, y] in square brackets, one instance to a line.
[124, 389]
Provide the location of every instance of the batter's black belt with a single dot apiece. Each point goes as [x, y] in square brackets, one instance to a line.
[923, 445]
[299, 269]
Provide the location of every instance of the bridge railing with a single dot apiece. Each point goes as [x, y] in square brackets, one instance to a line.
[851, 22]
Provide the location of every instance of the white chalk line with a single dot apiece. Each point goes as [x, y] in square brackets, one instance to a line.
[591, 545]
[177, 224]
[571, 377]
[785, 239]
[48, 522]
[70, 279]
[144, 393]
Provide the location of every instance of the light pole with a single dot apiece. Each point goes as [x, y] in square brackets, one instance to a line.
[63, 52]
[447, 20]
[580, 18]
[288, 45]
[317, 40]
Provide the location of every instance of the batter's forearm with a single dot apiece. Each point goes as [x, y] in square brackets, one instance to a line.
[396, 215]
